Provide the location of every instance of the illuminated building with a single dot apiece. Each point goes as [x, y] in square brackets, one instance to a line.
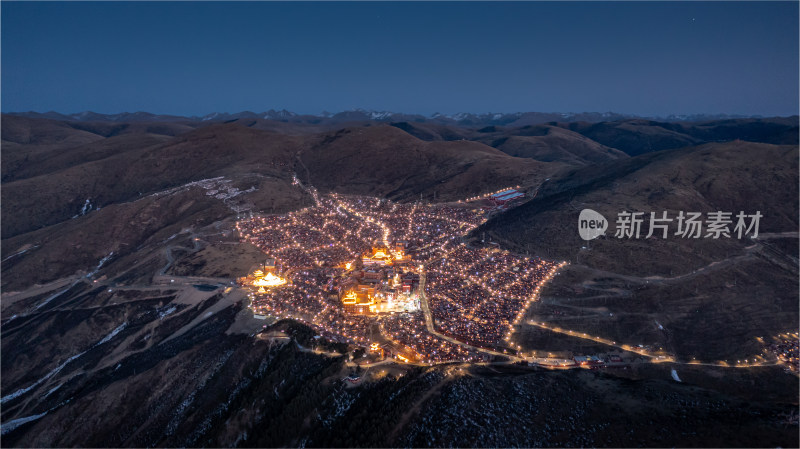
[587, 360]
[379, 256]
[502, 199]
[376, 348]
[358, 302]
[269, 280]
[265, 278]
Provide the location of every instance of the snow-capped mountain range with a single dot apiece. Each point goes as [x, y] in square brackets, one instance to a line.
[461, 118]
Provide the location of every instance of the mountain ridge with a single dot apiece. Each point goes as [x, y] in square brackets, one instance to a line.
[462, 118]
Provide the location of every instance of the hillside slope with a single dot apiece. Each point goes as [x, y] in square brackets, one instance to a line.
[212, 151]
[386, 161]
[638, 136]
[705, 298]
[550, 143]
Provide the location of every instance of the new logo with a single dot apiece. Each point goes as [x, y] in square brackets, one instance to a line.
[591, 224]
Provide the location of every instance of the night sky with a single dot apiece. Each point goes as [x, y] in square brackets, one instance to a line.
[643, 58]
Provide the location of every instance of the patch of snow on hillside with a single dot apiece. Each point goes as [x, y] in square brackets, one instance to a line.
[100, 264]
[54, 296]
[11, 425]
[52, 373]
[112, 334]
[164, 313]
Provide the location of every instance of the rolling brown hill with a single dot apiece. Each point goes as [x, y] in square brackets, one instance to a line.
[550, 143]
[634, 136]
[285, 127]
[27, 161]
[775, 130]
[207, 152]
[28, 131]
[637, 136]
[545, 143]
[435, 131]
[107, 129]
[40, 131]
[385, 161]
[580, 142]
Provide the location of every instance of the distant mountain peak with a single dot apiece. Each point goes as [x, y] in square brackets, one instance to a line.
[464, 119]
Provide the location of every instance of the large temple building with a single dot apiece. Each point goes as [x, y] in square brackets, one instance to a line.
[379, 256]
[358, 302]
[264, 277]
[384, 284]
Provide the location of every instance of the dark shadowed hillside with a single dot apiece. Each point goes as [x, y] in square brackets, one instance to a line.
[712, 297]
[550, 143]
[636, 136]
[433, 131]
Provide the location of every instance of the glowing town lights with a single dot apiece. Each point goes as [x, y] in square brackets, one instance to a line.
[474, 298]
[269, 280]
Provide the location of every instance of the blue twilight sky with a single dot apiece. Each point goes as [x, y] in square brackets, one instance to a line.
[647, 58]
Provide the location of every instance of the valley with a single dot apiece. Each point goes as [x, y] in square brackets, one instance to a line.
[129, 285]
